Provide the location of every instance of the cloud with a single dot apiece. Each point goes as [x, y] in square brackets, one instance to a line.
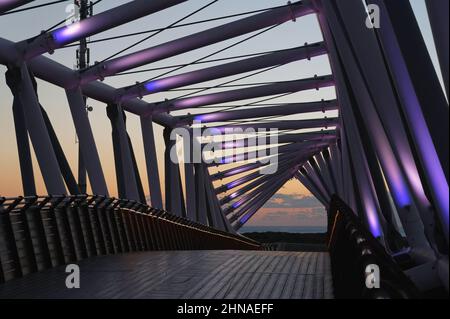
[286, 201]
[315, 216]
[290, 210]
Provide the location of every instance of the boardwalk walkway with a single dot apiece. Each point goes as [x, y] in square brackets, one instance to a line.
[187, 275]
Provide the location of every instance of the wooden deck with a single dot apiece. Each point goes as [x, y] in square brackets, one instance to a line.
[187, 275]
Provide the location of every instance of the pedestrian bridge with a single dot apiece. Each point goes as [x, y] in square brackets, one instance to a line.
[125, 249]
[357, 114]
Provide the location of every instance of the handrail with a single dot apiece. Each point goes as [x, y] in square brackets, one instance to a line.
[42, 232]
[354, 250]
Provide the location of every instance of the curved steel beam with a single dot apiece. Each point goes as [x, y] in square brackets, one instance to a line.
[266, 153]
[6, 5]
[251, 166]
[306, 149]
[48, 42]
[252, 208]
[281, 139]
[282, 110]
[221, 71]
[197, 40]
[60, 75]
[244, 94]
[282, 125]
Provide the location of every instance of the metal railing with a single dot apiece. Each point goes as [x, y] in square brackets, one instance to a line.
[37, 233]
[354, 250]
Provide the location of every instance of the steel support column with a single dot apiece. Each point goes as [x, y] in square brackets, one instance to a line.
[88, 147]
[23, 147]
[22, 87]
[200, 192]
[216, 211]
[385, 126]
[125, 173]
[151, 162]
[335, 161]
[189, 174]
[417, 87]
[422, 74]
[174, 191]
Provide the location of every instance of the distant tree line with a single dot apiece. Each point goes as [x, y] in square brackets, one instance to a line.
[279, 237]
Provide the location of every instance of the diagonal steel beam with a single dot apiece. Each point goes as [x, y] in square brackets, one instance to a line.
[244, 215]
[268, 152]
[250, 113]
[48, 42]
[281, 125]
[221, 71]
[6, 5]
[261, 196]
[197, 40]
[438, 14]
[244, 200]
[247, 188]
[244, 94]
[262, 182]
[248, 178]
[282, 138]
[60, 75]
[251, 166]
[306, 181]
[270, 142]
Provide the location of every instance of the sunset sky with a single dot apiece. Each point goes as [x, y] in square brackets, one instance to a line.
[292, 206]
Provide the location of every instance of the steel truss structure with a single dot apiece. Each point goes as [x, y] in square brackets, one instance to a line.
[385, 155]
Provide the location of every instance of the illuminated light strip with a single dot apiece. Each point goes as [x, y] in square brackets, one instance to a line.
[195, 41]
[6, 5]
[221, 71]
[104, 21]
[333, 229]
[313, 83]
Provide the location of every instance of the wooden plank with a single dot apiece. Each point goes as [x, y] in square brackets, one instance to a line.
[212, 287]
[245, 280]
[254, 294]
[144, 284]
[297, 293]
[277, 281]
[225, 281]
[328, 279]
[238, 277]
[201, 287]
[308, 291]
[255, 277]
[319, 285]
[274, 278]
[186, 275]
[290, 281]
